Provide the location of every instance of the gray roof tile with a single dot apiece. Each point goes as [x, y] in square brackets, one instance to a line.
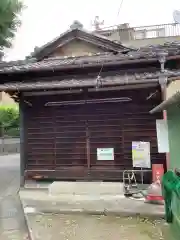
[85, 61]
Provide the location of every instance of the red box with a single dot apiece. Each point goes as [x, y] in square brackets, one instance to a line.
[157, 172]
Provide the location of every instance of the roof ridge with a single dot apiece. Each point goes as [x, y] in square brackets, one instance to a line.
[78, 57]
[106, 43]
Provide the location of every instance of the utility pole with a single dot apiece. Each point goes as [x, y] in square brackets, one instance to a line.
[97, 23]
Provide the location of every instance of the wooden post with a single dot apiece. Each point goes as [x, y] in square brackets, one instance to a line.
[88, 148]
[164, 89]
[163, 84]
[22, 142]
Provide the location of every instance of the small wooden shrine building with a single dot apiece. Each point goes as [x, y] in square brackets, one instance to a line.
[80, 94]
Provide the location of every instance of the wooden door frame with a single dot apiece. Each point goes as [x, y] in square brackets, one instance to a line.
[88, 154]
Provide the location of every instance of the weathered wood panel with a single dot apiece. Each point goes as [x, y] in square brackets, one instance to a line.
[40, 138]
[63, 140]
[70, 136]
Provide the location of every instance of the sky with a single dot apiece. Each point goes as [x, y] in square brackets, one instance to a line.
[43, 20]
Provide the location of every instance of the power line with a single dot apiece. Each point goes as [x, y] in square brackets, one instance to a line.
[98, 79]
[120, 6]
[115, 25]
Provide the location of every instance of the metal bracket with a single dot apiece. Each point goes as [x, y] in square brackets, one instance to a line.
[162, 59]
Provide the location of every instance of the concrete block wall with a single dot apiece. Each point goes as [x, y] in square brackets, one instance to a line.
[9, 146]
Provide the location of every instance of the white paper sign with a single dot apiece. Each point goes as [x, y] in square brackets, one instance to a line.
[141, 154]
[162, 136]
[106, 154]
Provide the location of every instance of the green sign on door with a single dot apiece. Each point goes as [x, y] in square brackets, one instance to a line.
[105, 154]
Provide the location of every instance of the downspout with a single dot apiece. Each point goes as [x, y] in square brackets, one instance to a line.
[163, 84]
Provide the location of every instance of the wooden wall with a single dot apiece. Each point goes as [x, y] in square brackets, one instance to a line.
[64, 139]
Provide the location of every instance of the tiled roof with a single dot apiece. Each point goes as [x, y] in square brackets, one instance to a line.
[100, 41]
[126, 79]
[170, 47]
[145, 53]
[141, 78]
[64, 62]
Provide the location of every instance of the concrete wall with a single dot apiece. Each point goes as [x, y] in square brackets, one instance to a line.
[173, 118]
[6, 99]
[10, 145]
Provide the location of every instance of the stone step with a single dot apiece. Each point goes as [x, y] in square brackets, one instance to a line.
[85, 188]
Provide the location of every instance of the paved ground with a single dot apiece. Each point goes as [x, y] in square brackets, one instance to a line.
[91, 227]
[9, 175]
[41, 201]
[68, 226]
[90, 216]
[12, 221]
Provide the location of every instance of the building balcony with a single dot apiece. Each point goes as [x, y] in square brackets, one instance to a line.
[143, 35]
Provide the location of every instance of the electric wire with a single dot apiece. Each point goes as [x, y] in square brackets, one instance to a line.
[120, 7]
[98, 78]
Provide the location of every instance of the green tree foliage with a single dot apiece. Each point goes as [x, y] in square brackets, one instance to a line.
[9, 21]
[9, 121]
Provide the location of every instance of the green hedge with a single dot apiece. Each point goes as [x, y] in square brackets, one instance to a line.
[9, 121]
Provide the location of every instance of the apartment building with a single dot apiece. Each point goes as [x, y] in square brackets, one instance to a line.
[143, 35]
